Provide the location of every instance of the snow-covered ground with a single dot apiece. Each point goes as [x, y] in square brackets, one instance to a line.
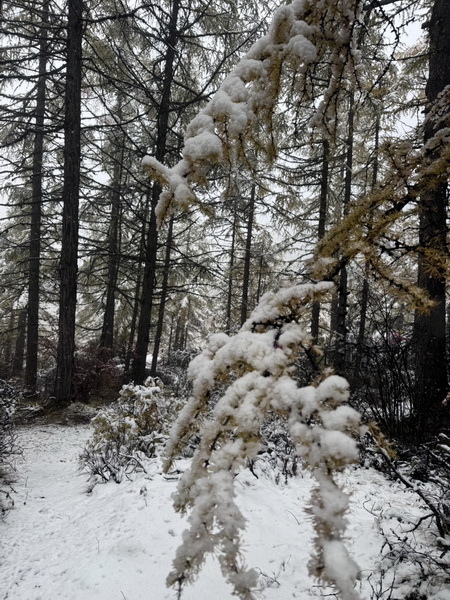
[60, 543]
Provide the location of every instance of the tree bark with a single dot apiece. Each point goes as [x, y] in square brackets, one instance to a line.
[71, 187]
[107, 334]
[429, 327]
[148, 281]
[365, 286]
[162, 302]
[229, 305]
[247, 256]
[137, 292]
[19, 349]
[148, 285]
[36, 212]
[315, 316]
[340, 350]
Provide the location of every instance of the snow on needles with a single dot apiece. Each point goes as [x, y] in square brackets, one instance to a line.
[251, 373]
[238, 118]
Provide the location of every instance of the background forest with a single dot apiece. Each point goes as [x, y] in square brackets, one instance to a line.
[91, 286]
[263, 188]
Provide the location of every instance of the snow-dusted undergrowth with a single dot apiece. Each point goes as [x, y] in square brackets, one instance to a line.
[128, 431]
[8, 397]
[118, 542]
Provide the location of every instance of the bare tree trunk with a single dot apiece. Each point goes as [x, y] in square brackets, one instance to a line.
[247, 256]
[36, 212]
[230, 274]
[107, 335]
[340, 350]
[7, 352]
[134, 318]
[71, 188]
[137, 293]
[365, 286]
[147, 288]
[260, 278]
[19, 350]
[315, 316]
[162, 303]
[429, 328]
[148, 282]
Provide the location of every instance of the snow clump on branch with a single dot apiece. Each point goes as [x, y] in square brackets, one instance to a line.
[254, 370]
[237, 124]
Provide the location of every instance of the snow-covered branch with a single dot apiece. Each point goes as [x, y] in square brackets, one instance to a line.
[254, 370]
[237, 123]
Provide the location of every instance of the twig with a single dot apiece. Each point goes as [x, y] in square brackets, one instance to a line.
[412, 487]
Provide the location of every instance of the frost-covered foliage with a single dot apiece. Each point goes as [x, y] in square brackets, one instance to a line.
[130, 430]
[415, 557]
[255, 368]
[8, 397]
[238, 123]
[278, 459]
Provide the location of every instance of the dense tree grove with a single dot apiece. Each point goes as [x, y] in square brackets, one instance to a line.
[326, 159]
[260, 185]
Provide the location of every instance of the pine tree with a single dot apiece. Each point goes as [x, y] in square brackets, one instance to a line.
[70, 194]
[429, 326]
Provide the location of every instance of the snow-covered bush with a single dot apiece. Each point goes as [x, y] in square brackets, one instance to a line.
[255, 368]
[129, 431]
[415, 557]
[278, 459]
[8, 396]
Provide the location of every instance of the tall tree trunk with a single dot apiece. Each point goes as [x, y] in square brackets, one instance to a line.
[36, 211]
[162, 302]
[340, 351]
[137, 293]
[429, 327]
[7, 352]
[315, 316]
[134, 318]
[107, 334]
[19, 350]
[365, 286]
[71, 188]
[229, 305]
[247, 256]
[148, 282]
[260, 278]
[147, 288]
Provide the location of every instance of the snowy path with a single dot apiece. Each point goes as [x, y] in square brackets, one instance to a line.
[60, 543]
[118, 543]
[38, 538]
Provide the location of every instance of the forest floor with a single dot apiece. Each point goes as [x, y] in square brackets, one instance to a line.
[117, 542]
